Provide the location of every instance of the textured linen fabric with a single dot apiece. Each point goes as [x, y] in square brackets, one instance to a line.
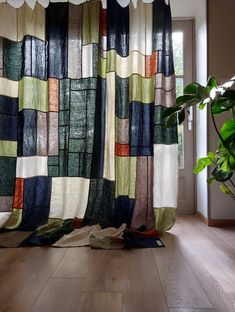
[82, 92]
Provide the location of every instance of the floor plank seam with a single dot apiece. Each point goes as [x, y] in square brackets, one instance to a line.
[155, 264]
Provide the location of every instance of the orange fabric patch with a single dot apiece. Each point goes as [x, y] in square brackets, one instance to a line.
[19, 193]
[53, 94]
[151, 65]
[103, 22]
[121, 149]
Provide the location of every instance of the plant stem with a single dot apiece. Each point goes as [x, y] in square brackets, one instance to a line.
[232, 183]
[229, 191]
[219, 135]
[233, 113]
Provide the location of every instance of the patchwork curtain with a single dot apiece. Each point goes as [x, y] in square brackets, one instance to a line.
[82, 91]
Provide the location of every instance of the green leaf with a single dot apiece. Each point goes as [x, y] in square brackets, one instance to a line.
[221, 105]
[212, 83]
[181, 116]
[183, 99]
[221, 175]
[201, 164]
[211, 156]
[225, 189]
[169, 111]
[228, 130]
[202, 105]
[210, 180]
[171, 120]
[192, 88]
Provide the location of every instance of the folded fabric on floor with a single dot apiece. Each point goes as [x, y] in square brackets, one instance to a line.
[94, 236]
[48, 234]
[12, 239]
[135, 240]
[108, 238]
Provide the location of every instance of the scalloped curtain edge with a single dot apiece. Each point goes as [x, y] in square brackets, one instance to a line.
[45, 3]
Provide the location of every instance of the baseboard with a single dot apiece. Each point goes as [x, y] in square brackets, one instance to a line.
[201, 217]
[215, 222]
[221, 222]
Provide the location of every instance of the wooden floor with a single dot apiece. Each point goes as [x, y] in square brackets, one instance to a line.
[195, 272]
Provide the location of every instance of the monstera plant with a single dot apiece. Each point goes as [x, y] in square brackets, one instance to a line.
[219, 99]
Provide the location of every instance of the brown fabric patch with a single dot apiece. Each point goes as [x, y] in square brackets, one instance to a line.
[53, 94]
[143, 212]
[6, 203]
[13, 238]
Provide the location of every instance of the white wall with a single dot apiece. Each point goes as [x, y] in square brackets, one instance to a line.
[196, 9]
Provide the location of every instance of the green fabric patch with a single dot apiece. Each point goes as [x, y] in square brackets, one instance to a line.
[125, 176]
[91, 10]
[51, 226]
[162, 134]
[15, 219]
[141, 89]
[122, 97]
[12, 59]
[33, 94]
[8, 148]
[164, 218]
[7, 176]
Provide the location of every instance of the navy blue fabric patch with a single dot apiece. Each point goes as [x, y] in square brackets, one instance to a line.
[118, 28]
[57, 36]
[141, 129]
[124, 207]
[27, 133]
[8, 118]
[99, 134]
[37, 195]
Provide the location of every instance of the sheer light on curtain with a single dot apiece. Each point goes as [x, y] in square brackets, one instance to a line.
[82, 90]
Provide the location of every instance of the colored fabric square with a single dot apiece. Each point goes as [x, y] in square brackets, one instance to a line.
[141, 129]
[151, 63]
[28, 167]
[35, 58]
[101, 205]
[57, 36]
[69, 197]
[124, 207]
[31, 22]
[121, 149]
[53, 94]
[27, 132]
[118, 28]
[8, 117]
[7, 175]
[19, 193]
[14, 219]
[33, 94]
[163, 134]
[125, 168]
[90, 20]
[8, 148]
[75, 41]
[12, 59]
[6, 203]
[99, 133]
[37, 195]
[122, 97]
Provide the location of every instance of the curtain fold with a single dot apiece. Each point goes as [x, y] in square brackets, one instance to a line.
[82, 91]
